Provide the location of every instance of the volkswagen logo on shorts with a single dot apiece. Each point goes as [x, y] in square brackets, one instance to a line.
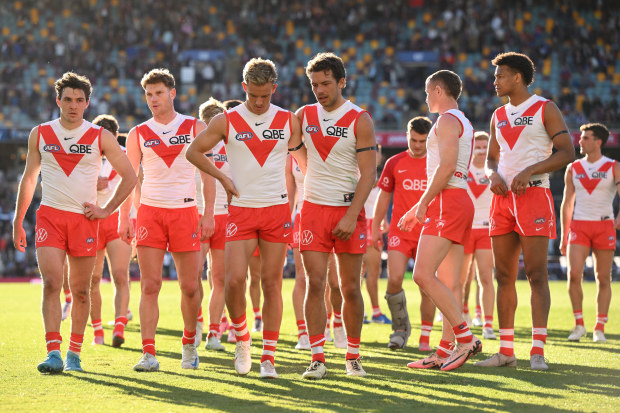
[311, 129]
[51, 148]
[441, 223]
[41, 235]
[394, 241]
[90, 240]
[306, 237]
[151, 142]
[296, 238]
[244, 136]
[231, 229]
[141, 234]
[572, 236]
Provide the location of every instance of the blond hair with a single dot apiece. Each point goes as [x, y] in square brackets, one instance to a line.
[159, 75]
[210, 108]
[481, 136]
[260, 72]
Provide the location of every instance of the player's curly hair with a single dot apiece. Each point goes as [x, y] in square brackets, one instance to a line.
[324, 62]
[420, 124]
[73, 81]
[517, 62]
[159, 75]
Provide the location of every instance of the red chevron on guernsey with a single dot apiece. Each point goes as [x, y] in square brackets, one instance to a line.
[222, 152]
[67, 161]
[167, 153]
[322, 143]
[511, 133]
[588, 183]
[475, 188]
[259, 148]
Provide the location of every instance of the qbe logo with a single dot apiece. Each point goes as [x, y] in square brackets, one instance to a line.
[231, 229]
[306, 237]
[141, 234]
[41, 235]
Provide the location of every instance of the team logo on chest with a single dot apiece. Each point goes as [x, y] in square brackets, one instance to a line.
[590, 183]
[511, 133]
[170, 152]
[69, 159]
[260, 149]
[325, 142]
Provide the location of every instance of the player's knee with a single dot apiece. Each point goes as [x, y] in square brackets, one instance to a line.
[150, 287]
[235, 283]
[537, 278]
[350, 292]
[52, 286]
[603, 281]
[315, 285]
[189, 287]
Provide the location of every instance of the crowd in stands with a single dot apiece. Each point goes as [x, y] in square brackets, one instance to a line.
[574, 44]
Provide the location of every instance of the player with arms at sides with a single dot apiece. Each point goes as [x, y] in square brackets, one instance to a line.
[519, 159]
[167, 217]
[404, 177]
[446, 213]
[257, 136]
[588, 223]
[67, 151]
[341, 172]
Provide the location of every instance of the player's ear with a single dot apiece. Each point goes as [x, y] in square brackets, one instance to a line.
[173, 93]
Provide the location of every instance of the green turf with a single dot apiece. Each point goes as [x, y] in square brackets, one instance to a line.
[582, 376]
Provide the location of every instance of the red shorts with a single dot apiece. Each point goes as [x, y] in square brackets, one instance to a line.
[295, 243]
[217, 241]
[598, 235]
[530, 214]
[317, 223]
[173, 229]
[69, 231]
[403, 241]
[479, 239]
[450, 215]
[272, 223]
[108, 231]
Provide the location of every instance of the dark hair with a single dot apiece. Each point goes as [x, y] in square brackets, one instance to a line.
[450, 82]
[518, 62]
[599, 131]
[107, 122]
[229, 104]
[324, 62]
[158, 76]
[73, 81]
[122, 139]
[420, 124]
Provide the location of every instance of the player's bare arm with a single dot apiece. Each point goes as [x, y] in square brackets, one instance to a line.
[204, 142]
[617, 181]
[296, 145]
[206, 224]
[27, 186]
[567, 208]
[498, 186]
[291, 188]
[366, 160]
[381, 207]
[562, 143]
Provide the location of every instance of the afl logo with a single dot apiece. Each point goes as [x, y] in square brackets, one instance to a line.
[539, 221]
[312, 129]
[141, 234]
[287, 225]
[151, 143]
[306, 237]
[502, 124]
[244, 136]
[51, 148]
[195, 235]
[231, 230]
[41, 235]
[90, 240]
[394, 241]
[362, 236]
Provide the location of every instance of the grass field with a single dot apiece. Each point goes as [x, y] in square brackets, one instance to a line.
[582, 376]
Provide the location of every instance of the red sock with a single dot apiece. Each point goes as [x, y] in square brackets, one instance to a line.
[75, 342]
[68, 297]
[188, 337]
[148, 346]
[376, 311]
[443, 350]
[301, 328]
[316, 346]
[329, 319]
[539, 338]
[465, 308]
[213, 330]
[241, 328]
[601, 319]
[270, 341]
[506, 341]
[257, 314]
[462, 333]
[337, 320]
[353, 348]
[200, 319]
[97, 327]
[478, 311]
[425, 332]
[578, 317]
[53, 341]
[119, 326]
[488, 321]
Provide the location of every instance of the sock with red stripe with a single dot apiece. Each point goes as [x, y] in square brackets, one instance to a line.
[601, 319]
[188, 337]
[578, 317]
[478, 311]
[53, 341]
[376, 311]
[257, 314]
[213, 330]
[240, 326]
[507, 341]
[200, 319]
[425, 332]
[488, 321]
[539, 338]
[270, 341]
[353, 348]
[97, 327]
[301, 328]
[68, 297]
[329, 320]
[465, 308]
[148, 346]
[462, 333]
[119, 326]
[444, 349]
[316, 347]
[337, 319]
[75, 342]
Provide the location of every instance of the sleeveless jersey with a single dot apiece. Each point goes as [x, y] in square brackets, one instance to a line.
[369, 205]
[595, 189]
[459, 179]
[331, 140]
[221, 162]
[256, 147]
[480, 193]
[405, 176]
[200, 201]
[169, 178]
[522, 138]
[299, 184]
[70, 164]
[105, 194]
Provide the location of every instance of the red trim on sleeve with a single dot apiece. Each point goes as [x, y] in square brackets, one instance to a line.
[290, 123]
[357, 118]
[542, 114]
[38, 136]
[457, 118]
[99, 137]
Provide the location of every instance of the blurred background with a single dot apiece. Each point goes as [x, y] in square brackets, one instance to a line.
[389, 48]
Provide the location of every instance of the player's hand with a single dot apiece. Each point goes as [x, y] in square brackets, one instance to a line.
[19, 237]
[125, 230]
[385, 227]
[409, 220]
[94, 212]
[345, 227]
[206, 226]
[563, 245]
[520, 182]
[102, 183]
[230, 189]
[618, 222]
[498, 185]
[376, 237]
